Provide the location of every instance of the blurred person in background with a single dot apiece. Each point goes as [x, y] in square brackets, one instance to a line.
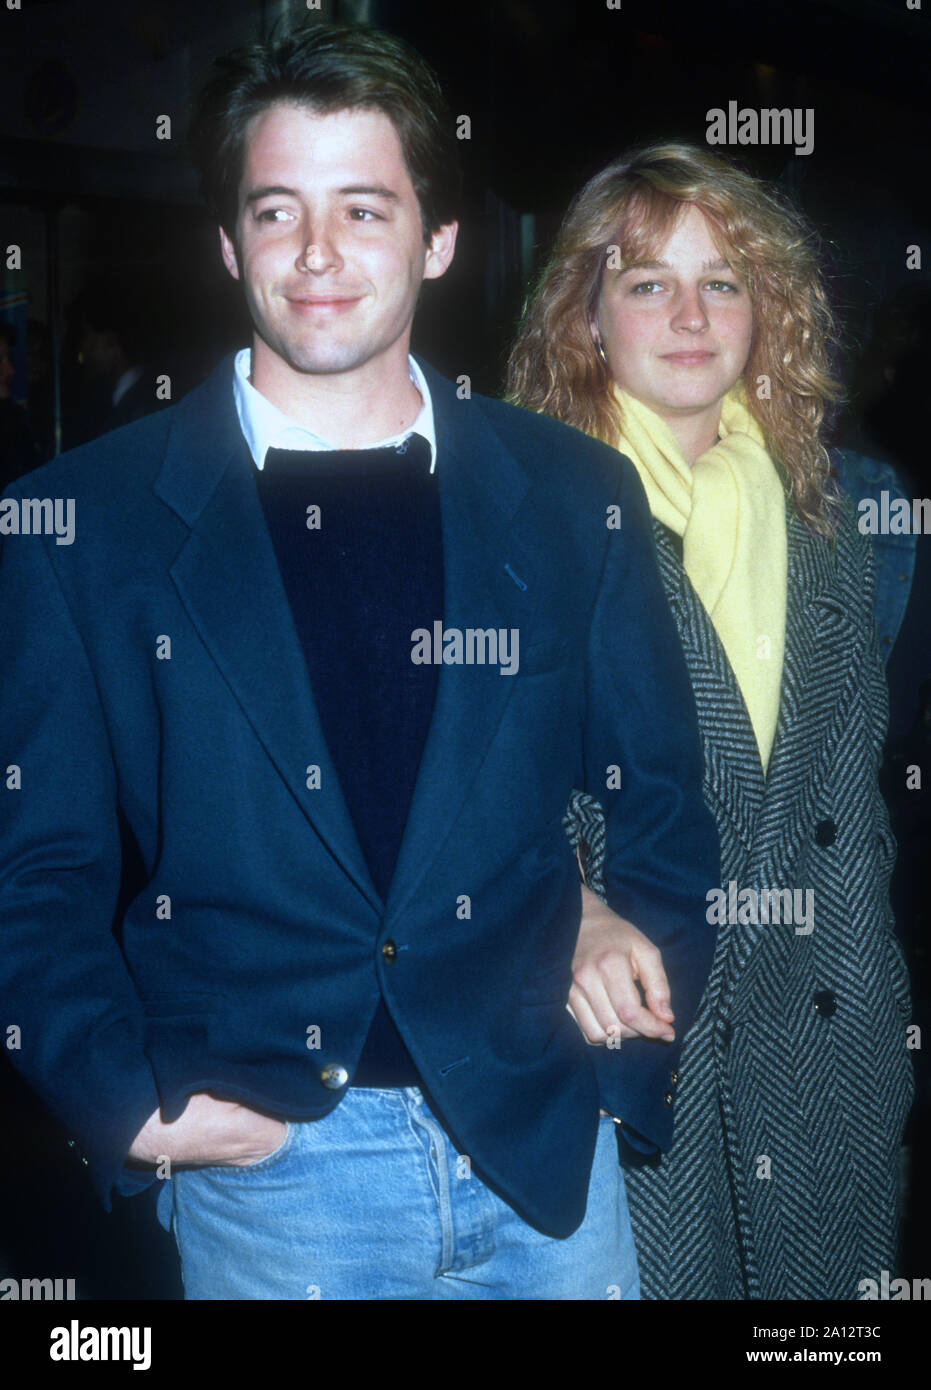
[111, 329]
[18, 453]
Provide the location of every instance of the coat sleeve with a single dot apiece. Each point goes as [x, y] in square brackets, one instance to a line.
[63, 980]
[661, 854]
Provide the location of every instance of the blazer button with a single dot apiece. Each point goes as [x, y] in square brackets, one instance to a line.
[389, 951]
[667, 1098]
[824, 1003]
[825, 833]
[673, 1078]
[334, 1076]
[78, 1151]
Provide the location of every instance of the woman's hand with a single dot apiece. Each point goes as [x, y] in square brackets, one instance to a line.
[610, 955]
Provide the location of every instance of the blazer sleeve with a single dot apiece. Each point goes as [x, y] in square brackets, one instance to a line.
[661, 843]
[63, 981]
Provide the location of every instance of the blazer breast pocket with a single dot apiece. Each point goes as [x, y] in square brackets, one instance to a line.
[547, 655]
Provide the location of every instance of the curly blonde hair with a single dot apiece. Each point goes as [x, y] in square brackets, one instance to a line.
[633, 204]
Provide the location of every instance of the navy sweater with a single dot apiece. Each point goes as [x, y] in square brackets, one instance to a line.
[358, 584]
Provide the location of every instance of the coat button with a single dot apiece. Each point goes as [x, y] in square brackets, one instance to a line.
[667, 1097]
[825, 833]
[726, 1032]
[824, 1003]
[673, 1078]
[389, 951]
[334, 1076]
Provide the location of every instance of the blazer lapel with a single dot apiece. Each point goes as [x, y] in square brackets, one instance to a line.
[228, 579]
[491, 567]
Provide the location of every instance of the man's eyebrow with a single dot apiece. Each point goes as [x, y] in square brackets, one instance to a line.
[269, 191]
[368, 190]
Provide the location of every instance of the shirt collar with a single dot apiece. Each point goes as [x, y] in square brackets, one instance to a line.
[128, 379]
[266, 427]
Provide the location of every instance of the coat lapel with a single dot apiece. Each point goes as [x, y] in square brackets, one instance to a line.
[771, 816]
[733, 771]
[820, 638]
[228, 579]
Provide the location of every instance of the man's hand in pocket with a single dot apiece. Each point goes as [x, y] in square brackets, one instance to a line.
[209, 1131]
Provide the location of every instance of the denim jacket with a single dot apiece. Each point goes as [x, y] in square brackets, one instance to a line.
[862, 476]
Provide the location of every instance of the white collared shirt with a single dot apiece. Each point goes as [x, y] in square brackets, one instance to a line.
[128, 379]
[266, 427]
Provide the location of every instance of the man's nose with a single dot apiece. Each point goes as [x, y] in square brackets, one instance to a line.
[319, 252]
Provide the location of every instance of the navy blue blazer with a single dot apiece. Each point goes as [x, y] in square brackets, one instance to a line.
[152, 784]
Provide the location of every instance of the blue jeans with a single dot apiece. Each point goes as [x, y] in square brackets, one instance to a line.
[374, 1202]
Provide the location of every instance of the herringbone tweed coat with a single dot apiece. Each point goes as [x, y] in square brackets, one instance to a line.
[795, 1080]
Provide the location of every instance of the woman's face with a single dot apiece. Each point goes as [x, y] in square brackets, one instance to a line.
[676, 331]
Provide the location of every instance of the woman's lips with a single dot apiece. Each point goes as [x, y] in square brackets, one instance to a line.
[687, 359]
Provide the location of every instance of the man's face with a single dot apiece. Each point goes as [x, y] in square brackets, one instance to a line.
[330, 240]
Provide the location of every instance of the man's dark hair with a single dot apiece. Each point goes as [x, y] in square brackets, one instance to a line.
[327, 68]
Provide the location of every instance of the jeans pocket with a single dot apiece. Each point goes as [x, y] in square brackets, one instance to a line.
[164, 1204]
[260, 1164]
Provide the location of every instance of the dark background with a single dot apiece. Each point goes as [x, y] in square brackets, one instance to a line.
[553, 91]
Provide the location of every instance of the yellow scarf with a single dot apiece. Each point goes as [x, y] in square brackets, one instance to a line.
[729, 509]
